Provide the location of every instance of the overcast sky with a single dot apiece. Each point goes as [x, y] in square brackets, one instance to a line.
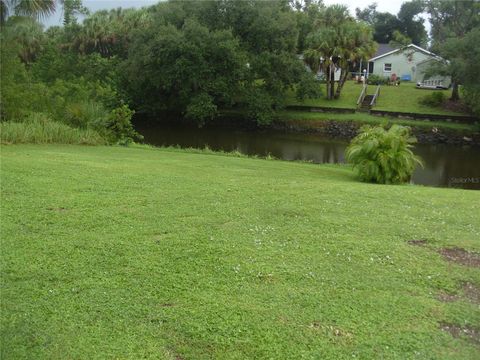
[391, 6]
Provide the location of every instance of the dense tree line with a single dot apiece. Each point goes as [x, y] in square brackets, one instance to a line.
[188, 59]
[387, 26]
[195, 59]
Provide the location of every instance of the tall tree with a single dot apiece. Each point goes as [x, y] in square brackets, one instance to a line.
[33, 8]
[451, 18]
[408, 22]
[188, 71]
[337, 42]
[72, 8]
[306, 13]
[267, 32]
[411, 22]
[28, 35]
[451, 22]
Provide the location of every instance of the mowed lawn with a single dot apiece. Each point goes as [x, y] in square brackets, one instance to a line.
[129, 253]
[402, 98]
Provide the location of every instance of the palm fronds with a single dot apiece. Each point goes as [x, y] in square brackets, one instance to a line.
[383, 156]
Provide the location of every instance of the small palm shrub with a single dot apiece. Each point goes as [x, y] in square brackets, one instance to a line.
[383, 156]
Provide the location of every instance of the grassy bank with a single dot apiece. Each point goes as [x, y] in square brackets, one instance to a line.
[364, 118]
[44, 131]
[112, 252]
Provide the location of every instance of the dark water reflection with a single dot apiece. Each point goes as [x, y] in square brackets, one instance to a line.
[445, 165]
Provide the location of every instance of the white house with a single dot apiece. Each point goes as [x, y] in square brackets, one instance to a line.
[408, 63]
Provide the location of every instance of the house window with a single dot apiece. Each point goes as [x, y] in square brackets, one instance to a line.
[387, 67]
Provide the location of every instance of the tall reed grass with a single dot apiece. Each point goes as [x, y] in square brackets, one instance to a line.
[39, 129]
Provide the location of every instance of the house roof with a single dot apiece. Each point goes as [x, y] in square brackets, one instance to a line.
[379, 55]
[435, 58]
[383, 49]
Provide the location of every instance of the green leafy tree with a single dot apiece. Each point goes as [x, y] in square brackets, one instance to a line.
[268, 34]
[408, 22]
[455, 37]
[383, 156]
[306, 13]
[412, 24]
[14, 81]
[203, 56]
[28, 34]
[463, 65]
[72, 8]
[188, 71]
[451, 19]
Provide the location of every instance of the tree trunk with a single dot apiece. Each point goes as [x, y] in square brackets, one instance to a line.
[455, 95]
[327, 79]
[332, 82]
[341, 82]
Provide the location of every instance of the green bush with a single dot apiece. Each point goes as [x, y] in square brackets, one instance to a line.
[38, 128]
[201, 109]
[119, 126]
[84, 114]
[259, 107]
[435, 99]
[377, 79]
[471, 95]
[383, 156]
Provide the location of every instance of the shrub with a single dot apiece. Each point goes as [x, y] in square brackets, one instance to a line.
[471, 94]
[435, 99]
[38, 128]
[383, 156]
[377, 80]
[201, 109]
[119, 126]
[259, 107]
[84, 115]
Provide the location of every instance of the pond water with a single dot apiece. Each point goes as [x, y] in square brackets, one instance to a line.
[445, 165]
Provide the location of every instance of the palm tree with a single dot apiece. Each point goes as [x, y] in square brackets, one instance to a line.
[32, 8]
[321, 55]
[27, 34]
[325, 42]
[356, 43]
[109, 32]
[336, 43]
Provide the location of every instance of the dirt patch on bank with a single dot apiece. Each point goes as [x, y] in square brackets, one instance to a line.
[418, 242]
[59, 209]
[470, 333]
[461, 256]
[446, 297]
[472, 292]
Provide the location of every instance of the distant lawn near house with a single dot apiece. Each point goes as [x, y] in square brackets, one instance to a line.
[402, 98]
[129, 253]
[348, 99]
[405, 98]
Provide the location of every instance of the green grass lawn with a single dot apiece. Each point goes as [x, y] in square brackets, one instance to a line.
[348, 98]
[130, 253]
[403, 98]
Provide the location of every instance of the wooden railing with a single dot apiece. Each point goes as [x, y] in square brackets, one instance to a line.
[362, 95]
[432, 82]
[375, 96]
